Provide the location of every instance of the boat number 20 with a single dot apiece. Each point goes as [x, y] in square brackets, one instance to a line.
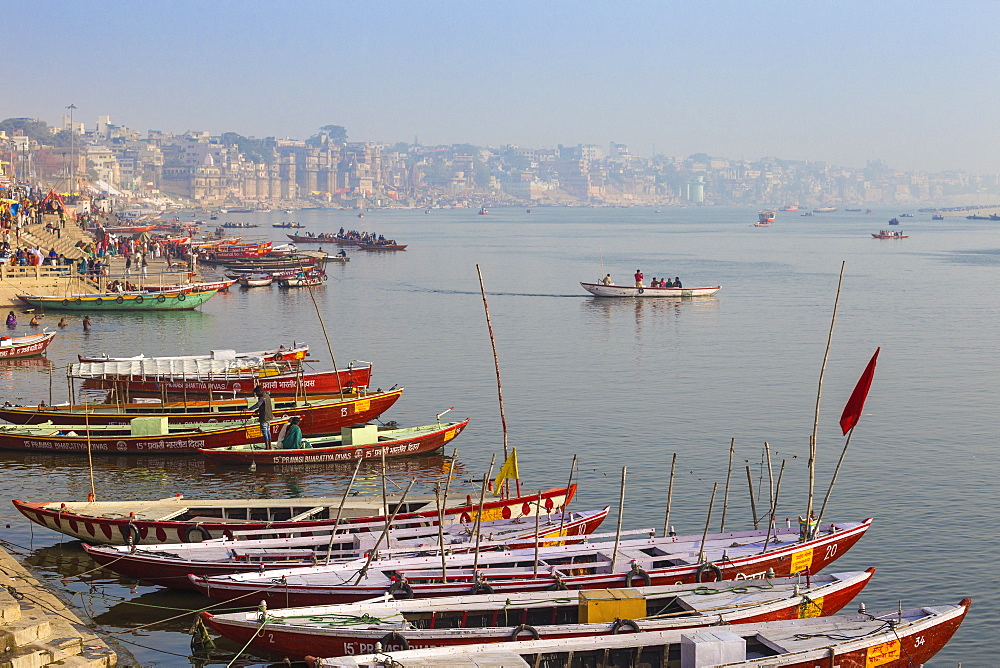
[831, 552]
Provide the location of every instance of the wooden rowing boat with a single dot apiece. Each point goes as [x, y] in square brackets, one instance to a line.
[221, 286]
[145, 436]
[601, 290]
[297, 351]
[303, 279]
[139, 377]
[655, 561]
[382, 247]
[895, 639]
[319, 414]
[125, 301]
[255, 280]
[176, 519]
[25, 346]
[169, 564]
[353, 443]
[336, 630]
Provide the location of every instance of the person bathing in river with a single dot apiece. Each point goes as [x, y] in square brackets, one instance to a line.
[11, 321]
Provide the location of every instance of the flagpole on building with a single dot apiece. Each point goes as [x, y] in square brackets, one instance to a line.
[819, 394]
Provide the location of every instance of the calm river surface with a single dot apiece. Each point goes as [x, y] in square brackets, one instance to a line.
[618, 382]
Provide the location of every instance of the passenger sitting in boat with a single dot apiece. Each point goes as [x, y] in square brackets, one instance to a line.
[342, 253]
[290, 435]
[668, 284]
[677, 282]
[607, 280]
[655, 283]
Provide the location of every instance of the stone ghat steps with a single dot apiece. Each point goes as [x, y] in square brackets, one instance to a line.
[37, 629]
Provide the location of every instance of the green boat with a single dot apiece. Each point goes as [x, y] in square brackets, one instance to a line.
[126, 301]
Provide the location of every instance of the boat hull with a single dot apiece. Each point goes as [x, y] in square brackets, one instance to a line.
[317, 416]
[105, 522]
[189, 441]
[161, 301]
[156, 569]
[888, 640]
[295, 640]
[890, 236]
[601, 290]
[307, 382]
[420, 443]
[786, 560]
[26, 346]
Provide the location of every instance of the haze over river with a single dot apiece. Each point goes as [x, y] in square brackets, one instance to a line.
[623, 382]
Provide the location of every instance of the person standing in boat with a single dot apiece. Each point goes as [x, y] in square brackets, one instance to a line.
[265, 413]
[638, 278]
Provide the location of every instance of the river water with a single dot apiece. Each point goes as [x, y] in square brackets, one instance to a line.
[621, 383]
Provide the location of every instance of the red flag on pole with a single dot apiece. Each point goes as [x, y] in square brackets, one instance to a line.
[852, 411]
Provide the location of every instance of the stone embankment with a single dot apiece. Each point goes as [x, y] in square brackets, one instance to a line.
[46, 279]
[38, 629]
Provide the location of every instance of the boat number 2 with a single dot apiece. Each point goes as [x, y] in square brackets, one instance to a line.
[831, 552]
[270, 638]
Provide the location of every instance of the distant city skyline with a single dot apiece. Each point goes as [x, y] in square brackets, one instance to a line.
[910, 83]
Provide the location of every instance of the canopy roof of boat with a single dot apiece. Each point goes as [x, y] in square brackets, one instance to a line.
[164, 367]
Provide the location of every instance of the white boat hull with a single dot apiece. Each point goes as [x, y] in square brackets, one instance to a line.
[601, 290]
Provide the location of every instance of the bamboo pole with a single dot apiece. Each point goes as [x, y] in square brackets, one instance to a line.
[725, 496]
[385, 498]
[340, 509]
[819, 394]
[90, 456]
[569, 484]
[708, 520]
[479, 514]
[753, 502]
[836, 471]
[621, 511]
[774, 507]
[447, 485]
[670, 495]
[440, 509]
[770, 474]
[538, 518]
[496, 364]
[329, 346]
[371, 555]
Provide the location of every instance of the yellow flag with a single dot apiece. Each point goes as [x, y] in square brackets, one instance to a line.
[508, 470]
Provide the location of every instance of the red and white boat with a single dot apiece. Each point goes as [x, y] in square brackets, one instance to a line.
[219, 254]
[295, 352]
[895, 639]
[190, 287]
[320, 414]
[303, 279]
[180, 520]
[25, 346]
[169, 564]
[137, 377]
[765, 218]
[654, 561]
[884, 234]
[382, 247]
[601, 290]
[355, 442]
[493, 618]
[163, 438]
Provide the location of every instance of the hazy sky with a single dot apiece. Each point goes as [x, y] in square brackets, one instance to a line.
[912, 83]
